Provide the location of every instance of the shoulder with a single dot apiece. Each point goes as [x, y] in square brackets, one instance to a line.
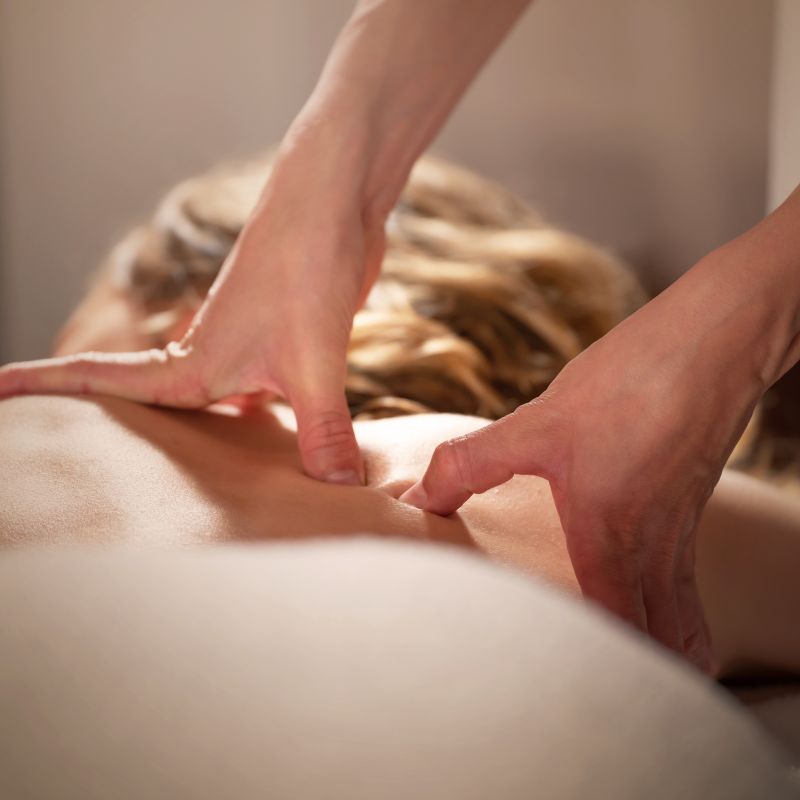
[397, 450]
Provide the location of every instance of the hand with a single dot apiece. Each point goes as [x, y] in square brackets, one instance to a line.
[279, 316]
[277, 320]
[632, 436]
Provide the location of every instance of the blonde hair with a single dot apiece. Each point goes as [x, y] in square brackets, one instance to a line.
[478, 306]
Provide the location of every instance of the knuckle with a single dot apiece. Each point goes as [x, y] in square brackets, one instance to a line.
[329, 430]
[452, 463]
[550, 430]
[182, 384]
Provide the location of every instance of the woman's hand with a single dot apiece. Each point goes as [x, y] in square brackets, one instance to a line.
[277, 320]
[278, 317]
[633, 435]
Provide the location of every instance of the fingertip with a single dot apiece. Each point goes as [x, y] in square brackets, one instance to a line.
[328, 447]
[340, 465]
[415, 496]
[344, 477]
[335, 459]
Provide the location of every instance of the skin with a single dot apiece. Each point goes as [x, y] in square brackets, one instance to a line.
[634, 433]
[278, 318]
[103, 470]
[675, 383]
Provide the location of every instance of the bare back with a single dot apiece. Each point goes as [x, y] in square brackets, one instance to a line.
[80, 469]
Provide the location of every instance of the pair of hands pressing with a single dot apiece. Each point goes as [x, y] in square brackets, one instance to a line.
[632, 435]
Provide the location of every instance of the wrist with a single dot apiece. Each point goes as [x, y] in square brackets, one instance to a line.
[331, 154]
[395, 73]
[749, 289]
[317, 174]
[764, 265]
[357, 148]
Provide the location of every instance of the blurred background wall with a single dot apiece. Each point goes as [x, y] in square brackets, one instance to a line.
[784, 149]
[644, 126]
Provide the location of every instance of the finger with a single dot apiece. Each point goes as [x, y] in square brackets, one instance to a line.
[607, 575]
[696, 635]
[517, 444]
[151, 376]
[661, 607]
[328, 447]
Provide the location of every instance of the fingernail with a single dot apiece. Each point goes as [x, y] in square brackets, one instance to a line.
[415, 496]
[347, 477]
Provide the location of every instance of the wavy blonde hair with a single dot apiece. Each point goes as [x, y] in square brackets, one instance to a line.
[478, 306]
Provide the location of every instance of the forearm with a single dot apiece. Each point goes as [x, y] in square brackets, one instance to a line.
[394, 75]
[757, 278]
[721, 334]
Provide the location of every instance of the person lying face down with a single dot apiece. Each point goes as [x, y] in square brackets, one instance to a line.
[478, 307]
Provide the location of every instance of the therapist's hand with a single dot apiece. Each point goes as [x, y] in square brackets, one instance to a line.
[632, 436]
[277, 319]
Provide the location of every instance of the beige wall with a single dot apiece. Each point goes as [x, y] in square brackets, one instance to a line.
[784, 163]
[642, 125]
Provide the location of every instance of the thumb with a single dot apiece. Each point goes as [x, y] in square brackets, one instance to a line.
[328, 447]
[151, 376]
[518, 444]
